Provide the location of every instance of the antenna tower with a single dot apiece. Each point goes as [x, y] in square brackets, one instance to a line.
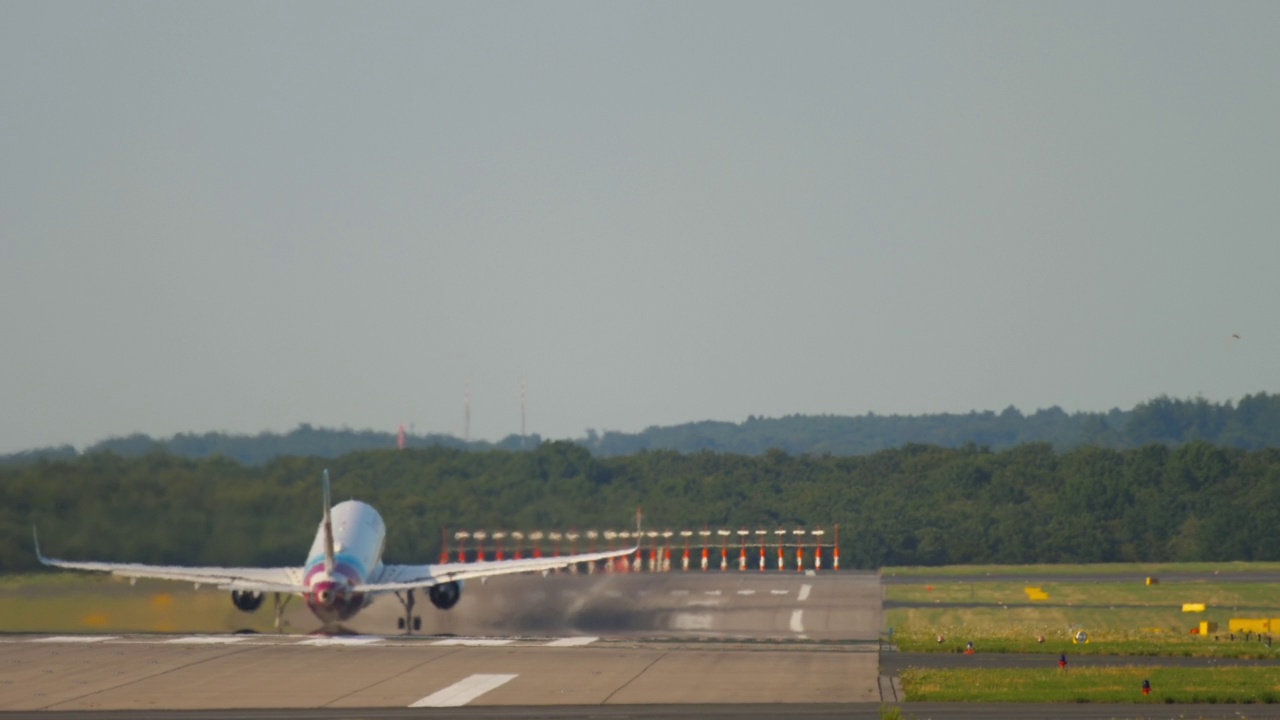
[466, 412]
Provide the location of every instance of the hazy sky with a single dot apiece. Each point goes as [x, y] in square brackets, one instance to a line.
[243, 216]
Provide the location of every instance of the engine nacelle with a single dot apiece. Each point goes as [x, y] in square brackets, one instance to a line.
[445, 595]
[246, 600]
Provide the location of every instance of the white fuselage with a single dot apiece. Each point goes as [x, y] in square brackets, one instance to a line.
[359, 535]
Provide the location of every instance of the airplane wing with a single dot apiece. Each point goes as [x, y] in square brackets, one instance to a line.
[225, 578]
[407, 577]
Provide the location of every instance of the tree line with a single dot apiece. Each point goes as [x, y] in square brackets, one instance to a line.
[915, 505]
[1251, 424]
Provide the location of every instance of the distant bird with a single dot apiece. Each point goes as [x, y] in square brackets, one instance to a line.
[1235, 336]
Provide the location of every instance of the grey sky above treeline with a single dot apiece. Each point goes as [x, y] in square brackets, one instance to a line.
[242, 216]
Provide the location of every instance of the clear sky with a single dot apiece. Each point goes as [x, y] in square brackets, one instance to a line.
[238, 217]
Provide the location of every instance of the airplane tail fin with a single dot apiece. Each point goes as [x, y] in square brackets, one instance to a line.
[329, 560]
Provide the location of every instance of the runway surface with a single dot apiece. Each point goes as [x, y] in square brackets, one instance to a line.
[517, 642]
[616, 646]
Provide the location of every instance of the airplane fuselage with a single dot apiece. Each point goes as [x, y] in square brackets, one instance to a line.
[359, 535]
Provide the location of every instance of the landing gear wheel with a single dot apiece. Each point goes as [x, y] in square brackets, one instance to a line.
[279, 610]
[408, 621]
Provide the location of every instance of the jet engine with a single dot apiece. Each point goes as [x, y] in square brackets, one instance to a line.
[246, 600]
[445, 595]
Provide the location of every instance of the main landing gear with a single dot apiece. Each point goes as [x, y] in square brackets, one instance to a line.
[410, 622]
[279, 607]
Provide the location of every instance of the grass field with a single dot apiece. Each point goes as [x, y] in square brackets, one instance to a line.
[1126, 618]
[78, 602]
[1120, 618]
[1124, 684]
[1146, 569]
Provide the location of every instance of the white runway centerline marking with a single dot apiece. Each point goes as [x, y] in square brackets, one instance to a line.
[207, 640]
[746, 592]
[347, 640]
[572, 641]
[76, 638]
[464, 691]
[797, 621]
[473, 642]
[779, 592]
[691, 621]
[804, 592]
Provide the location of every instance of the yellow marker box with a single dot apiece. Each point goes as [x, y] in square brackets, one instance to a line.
[1258, 625]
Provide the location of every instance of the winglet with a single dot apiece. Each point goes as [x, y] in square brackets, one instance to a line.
[329, 560]
[36, 537]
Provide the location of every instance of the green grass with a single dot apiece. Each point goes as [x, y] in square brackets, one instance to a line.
[1103, 685]
[1120, 618]
[1148, 569]
[78, 602]
[1219, 594]
[1111, 632]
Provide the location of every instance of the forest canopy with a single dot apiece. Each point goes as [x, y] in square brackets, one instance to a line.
[914, 505]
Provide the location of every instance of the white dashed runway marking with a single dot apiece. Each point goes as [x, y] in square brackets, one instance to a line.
[804, 592]
[207, 640]
[74, 639]
[473, 642]
[464, 691]
[343, 640]
[572, 641]
[797, 621]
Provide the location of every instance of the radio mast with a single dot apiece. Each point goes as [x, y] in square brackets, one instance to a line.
[466, 412]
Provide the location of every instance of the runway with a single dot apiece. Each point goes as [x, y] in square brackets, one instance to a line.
[519, 642]
[640, 647]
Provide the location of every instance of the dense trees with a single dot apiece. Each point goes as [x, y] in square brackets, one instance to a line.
[918, 504]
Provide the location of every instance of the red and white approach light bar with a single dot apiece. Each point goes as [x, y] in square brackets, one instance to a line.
[706, 549]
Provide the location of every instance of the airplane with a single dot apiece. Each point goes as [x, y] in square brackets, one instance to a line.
[343, 572]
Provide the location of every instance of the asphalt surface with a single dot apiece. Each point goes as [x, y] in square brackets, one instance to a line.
[742, 645]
